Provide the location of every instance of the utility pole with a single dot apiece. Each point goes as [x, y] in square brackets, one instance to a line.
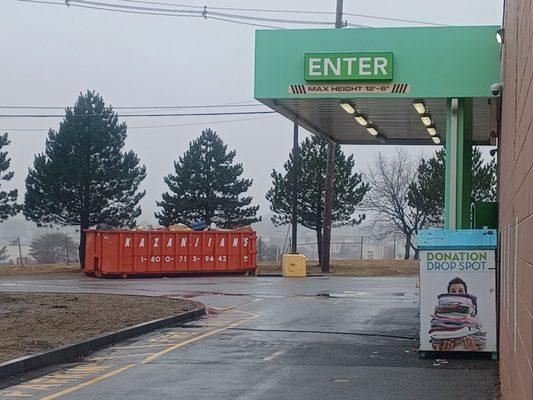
[328, 205]
[66, 248]
[296, 170]
[330, 172]
[20, 252]
[338, 16]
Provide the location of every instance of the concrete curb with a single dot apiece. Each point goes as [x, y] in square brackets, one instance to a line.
[74, 351]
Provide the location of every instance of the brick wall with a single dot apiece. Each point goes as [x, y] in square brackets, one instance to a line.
[516, 203]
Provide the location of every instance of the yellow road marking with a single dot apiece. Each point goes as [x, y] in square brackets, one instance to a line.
[124, 356]
[39, 386]
[194, 339]
[70, 375]
[138, 346]
[84, 370]
[171, 336]
[49, 380]
[273, 355]
[88, 368]
[89, 382]
[15, 393]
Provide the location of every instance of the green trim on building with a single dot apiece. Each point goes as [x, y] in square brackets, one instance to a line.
[459, 61]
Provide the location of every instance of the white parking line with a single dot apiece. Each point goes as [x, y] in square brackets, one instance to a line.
[273, 355]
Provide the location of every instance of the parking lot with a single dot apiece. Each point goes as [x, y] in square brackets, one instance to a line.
[265, 338]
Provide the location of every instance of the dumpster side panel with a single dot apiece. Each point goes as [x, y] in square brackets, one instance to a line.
[168, 260]
[97, 251]
[195, 252]
[140, 252]
[253, 251]
[89, 265]
[234, 251]
[109, 248]
[208, 252]
[182, 252]
[221, 252]
[156, 252]
[126, 252]
[246, 246]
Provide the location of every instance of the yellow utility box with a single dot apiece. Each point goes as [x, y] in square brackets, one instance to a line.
[293, 266]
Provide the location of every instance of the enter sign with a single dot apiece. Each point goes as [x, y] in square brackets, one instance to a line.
[355, 66]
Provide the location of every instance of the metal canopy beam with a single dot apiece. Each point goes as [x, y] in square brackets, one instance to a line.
[396, 119]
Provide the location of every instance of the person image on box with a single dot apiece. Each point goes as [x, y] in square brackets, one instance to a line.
[456, 286]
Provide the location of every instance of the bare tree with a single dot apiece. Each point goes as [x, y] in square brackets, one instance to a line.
[388, 200]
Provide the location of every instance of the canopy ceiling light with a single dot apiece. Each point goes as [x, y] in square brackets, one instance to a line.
[372, 130]
[420, 106]
[347, 106]
[426, 119]
[432, 130]
[361, 119]
[436, 139]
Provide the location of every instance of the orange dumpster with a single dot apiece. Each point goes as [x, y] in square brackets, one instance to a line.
[165, 252]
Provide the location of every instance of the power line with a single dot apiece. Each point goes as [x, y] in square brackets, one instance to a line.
[165, 107]
[204, 13]
[136, 115]
[234, 18]
[110, 9]
[172, 14]
[220, 121]
[394, 19]
[139, 8]
[133, 12]
[247, 23]
[281, 20]
[285, 11]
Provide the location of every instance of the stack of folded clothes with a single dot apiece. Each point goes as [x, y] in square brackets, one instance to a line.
[455, 319]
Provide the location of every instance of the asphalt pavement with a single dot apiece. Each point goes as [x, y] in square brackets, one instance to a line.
[265, 338]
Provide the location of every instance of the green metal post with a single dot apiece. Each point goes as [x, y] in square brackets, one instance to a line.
[458, 178]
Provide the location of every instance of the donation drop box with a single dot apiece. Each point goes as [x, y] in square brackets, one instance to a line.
[458, 290]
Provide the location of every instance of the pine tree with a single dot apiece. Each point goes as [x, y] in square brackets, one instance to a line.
[207, 186]
[8, 205]
[427, 192]
[348, 189]
[84, 177]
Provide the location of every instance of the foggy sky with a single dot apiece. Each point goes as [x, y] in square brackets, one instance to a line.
[51, 53]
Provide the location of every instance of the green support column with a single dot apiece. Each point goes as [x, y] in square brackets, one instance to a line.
[458, 178]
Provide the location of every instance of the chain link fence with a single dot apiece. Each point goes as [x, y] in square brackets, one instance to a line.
[56, 248]
[351, 248]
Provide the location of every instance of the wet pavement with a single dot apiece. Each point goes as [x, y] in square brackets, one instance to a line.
[265, 338]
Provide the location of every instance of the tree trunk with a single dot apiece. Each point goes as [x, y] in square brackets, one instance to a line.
[407, 247]
[319, 244]
[416, 254]
[81, 249]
